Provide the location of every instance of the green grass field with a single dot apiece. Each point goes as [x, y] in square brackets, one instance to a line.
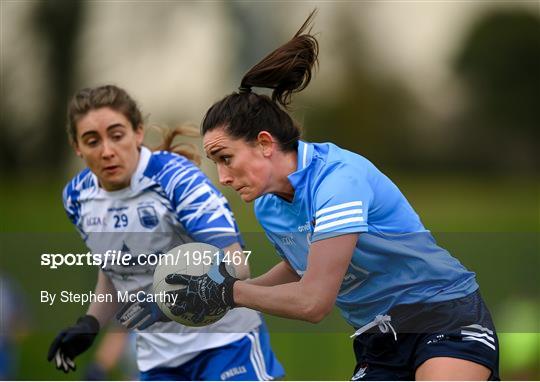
[491, 225]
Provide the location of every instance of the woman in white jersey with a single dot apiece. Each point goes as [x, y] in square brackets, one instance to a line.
[346, 236]
[139, 202]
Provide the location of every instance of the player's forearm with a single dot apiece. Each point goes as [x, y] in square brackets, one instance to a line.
[103, 311]
[111, 349]
[293, 300]
[281, 273]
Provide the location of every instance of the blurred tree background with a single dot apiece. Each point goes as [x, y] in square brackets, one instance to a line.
[465, 155]
[499, 64]
[55, 26]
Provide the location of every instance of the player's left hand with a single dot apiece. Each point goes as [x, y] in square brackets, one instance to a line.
[203, 294]
[140, 315]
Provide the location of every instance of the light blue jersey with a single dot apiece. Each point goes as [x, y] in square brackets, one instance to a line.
[396, 260]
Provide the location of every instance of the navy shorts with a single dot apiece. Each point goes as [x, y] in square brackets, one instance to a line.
[460, 328]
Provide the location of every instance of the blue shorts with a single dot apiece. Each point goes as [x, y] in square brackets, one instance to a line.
[250, 358]
[7, 360]
[460, 328]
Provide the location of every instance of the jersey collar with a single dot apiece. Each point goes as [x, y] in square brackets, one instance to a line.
[305, 157]
[138, 180]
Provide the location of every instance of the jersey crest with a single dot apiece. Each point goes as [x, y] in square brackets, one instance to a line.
[148, 216]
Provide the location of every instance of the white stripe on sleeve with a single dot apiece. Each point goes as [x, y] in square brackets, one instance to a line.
[339, 214]
[338, 207]
[201, 190]
[336, 223]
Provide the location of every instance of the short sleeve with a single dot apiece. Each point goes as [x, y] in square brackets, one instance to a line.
[204, 212]
[341, 200]
[70, 199]
[70, 206]
[198, 206]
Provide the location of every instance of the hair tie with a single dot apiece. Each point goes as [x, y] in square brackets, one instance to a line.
[244, 89]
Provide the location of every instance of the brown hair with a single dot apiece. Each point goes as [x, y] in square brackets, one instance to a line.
[186, 149]
[118, 99]
[287, 70]
[89, 99]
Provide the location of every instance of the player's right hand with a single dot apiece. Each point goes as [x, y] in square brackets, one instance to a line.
[210, 292]
[73, 341]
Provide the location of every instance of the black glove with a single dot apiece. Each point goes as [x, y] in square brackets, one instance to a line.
[73, 341]
[140, 315]
[207, 294]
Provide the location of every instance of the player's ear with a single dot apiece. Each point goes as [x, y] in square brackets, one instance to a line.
[266, 143]
[139, 135]
[75, 147]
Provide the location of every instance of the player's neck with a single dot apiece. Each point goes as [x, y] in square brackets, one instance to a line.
[285, 165]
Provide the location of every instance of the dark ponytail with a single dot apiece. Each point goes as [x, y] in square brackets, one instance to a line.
[287, 70]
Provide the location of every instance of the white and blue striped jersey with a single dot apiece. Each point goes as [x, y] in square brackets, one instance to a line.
[395, 261]
[169, 202]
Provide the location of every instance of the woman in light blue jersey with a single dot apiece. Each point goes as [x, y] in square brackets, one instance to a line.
[138, 202]
[346, 236]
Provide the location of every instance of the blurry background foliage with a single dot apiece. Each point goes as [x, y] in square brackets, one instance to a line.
[442, 96]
